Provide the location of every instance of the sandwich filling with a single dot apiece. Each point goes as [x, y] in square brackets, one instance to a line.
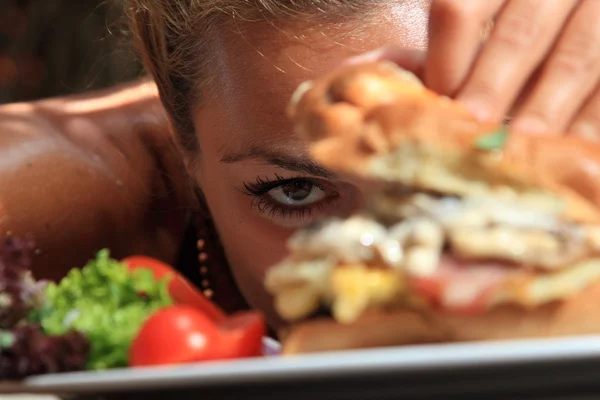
[426, 250]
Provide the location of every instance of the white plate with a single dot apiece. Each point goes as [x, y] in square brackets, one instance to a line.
[459, 360]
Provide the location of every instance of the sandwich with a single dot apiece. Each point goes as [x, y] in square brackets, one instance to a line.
[470, 231]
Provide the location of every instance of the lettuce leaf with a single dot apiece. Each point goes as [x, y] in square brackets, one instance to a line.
[107, 303]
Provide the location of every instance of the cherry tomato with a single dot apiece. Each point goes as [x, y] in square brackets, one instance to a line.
[180, 289]
[174, 335]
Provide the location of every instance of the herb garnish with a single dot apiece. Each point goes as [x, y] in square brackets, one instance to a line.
[493, 141]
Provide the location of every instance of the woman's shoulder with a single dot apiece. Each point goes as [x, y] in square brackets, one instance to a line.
[84, 172]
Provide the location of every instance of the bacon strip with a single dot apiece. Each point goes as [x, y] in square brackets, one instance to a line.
[462, 286]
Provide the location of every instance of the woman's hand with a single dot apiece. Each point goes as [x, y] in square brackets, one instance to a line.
[535, 60]
[542, 59]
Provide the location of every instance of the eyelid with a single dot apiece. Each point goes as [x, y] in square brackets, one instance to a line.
[263, 186]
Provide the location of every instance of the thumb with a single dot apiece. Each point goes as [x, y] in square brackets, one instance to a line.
[406, 58]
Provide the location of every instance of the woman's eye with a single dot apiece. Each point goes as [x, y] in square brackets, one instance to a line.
[297, 193]
[292, 202]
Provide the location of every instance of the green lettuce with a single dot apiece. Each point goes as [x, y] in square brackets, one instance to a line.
[107, 303]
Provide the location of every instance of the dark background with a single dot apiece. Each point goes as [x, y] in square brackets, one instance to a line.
[57, 47]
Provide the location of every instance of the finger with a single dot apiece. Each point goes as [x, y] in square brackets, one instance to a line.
[569, 76]
[587, 123]
[523, 35]
[455, 35]
[408, 59]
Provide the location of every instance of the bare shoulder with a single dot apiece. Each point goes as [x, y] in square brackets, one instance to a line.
[97, 170]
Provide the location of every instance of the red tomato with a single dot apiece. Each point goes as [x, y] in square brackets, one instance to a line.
[180, 289]
[428, 289]
[241, 335]
[174, 335]
[431, 290]
[183, 334]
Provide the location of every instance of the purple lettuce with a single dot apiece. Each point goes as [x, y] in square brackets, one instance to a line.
[19, 291]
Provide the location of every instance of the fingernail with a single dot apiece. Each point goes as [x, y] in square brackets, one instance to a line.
[479, 110]
[531, 125]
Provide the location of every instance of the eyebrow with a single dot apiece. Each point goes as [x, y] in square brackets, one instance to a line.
[282, 160]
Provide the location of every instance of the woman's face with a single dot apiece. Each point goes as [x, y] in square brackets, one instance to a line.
[259, 183]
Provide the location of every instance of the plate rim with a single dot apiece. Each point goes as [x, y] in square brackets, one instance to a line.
[327, 365]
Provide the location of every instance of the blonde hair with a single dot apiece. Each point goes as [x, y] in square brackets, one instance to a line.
[174, 40]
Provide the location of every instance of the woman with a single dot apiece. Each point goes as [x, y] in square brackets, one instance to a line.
[225, 70]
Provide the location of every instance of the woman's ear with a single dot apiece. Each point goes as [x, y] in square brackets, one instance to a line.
[187, 156]
[190, 161]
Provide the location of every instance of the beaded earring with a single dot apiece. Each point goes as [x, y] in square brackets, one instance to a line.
[202, 259]
[216, 279]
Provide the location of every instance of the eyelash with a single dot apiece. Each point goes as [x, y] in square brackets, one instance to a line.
[267, 205]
